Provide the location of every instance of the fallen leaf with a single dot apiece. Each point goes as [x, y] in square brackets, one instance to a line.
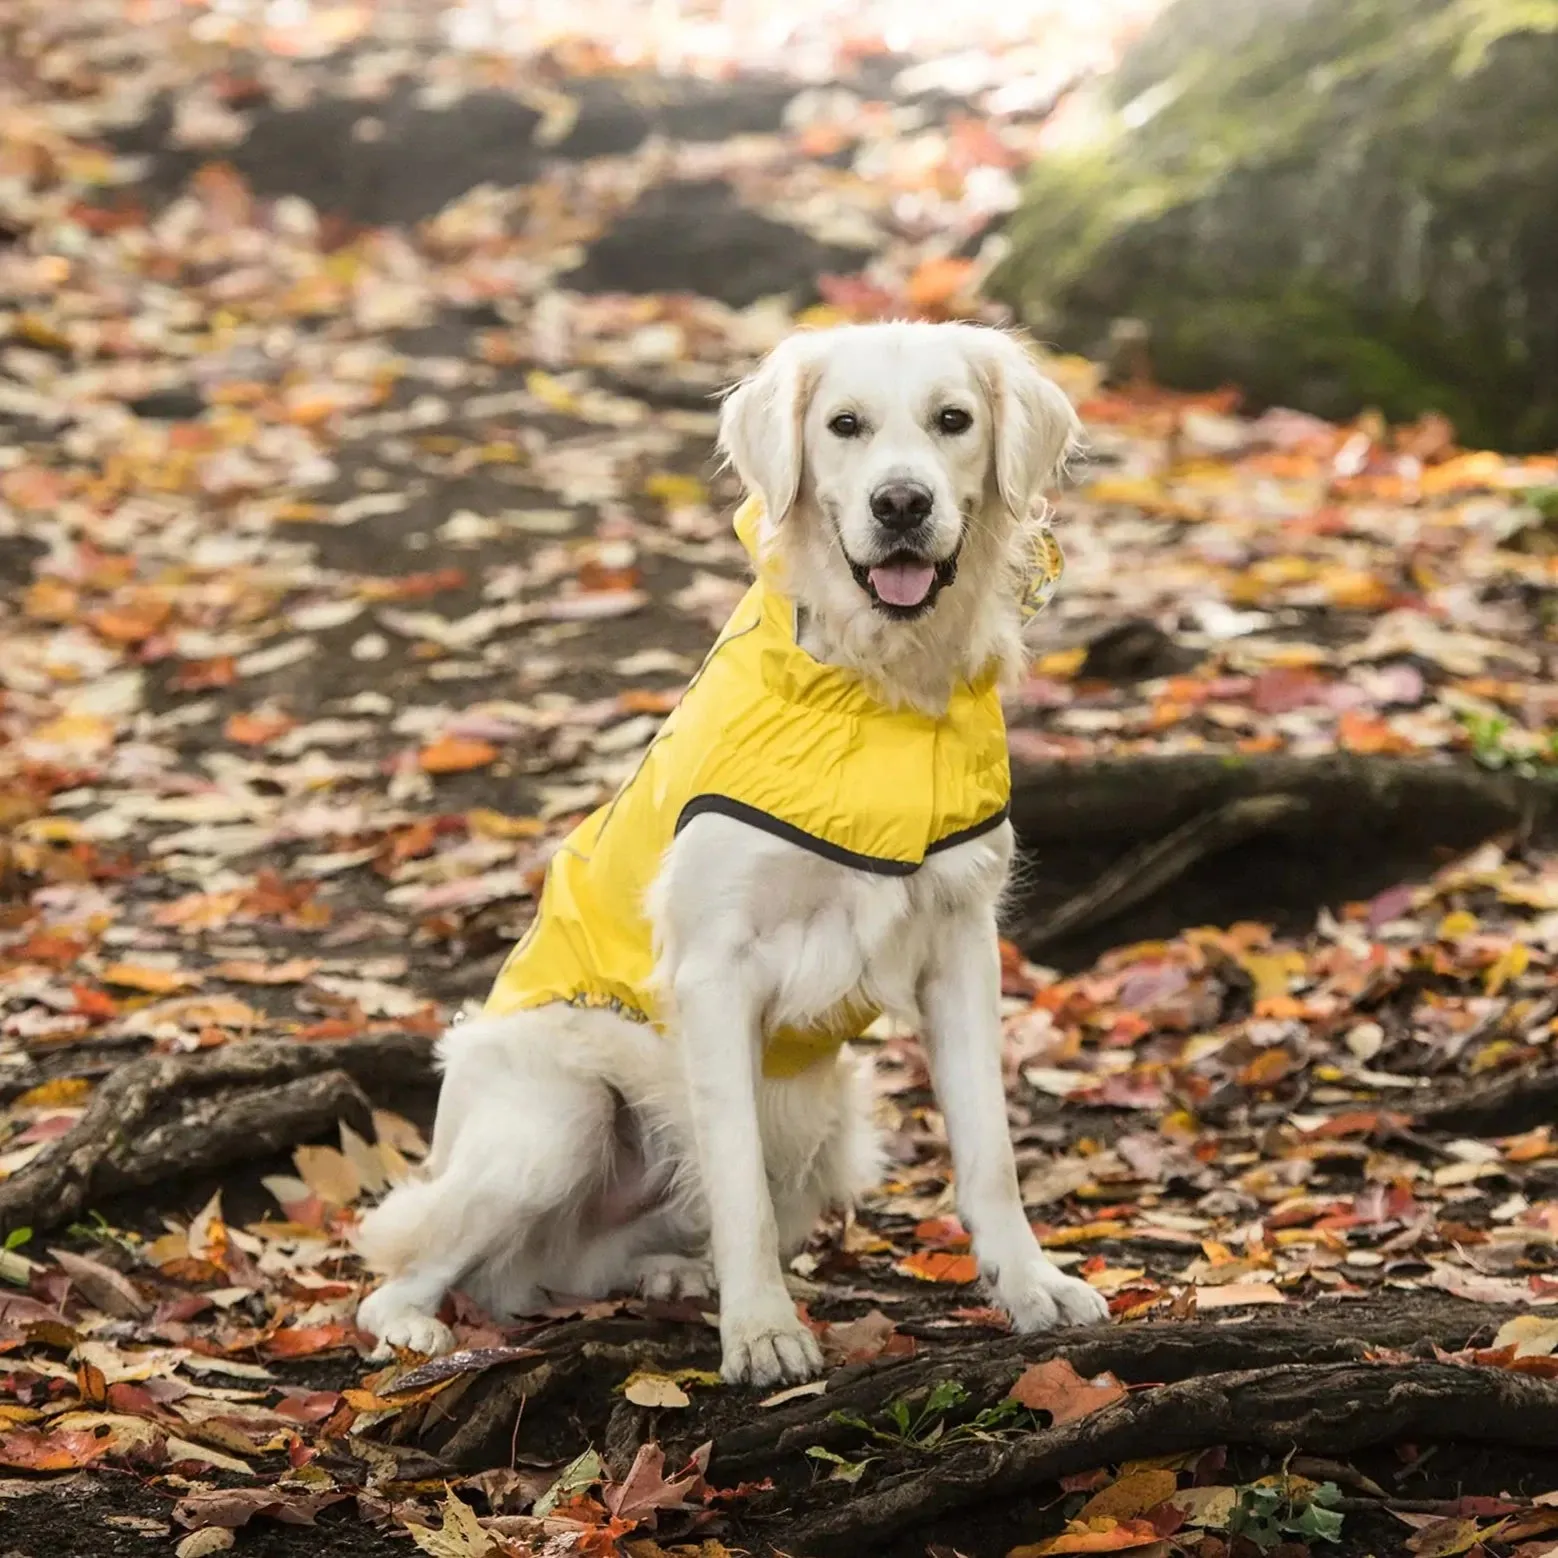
[201, 1544]
[1097, 1536]
[1445, 1538]
[1230, 1295]
[154, 981]
[1055, 1387]
[452, 1364]
[235, 1507]
[646, 1490]
[938, 1266]
[461, 1534]
[451, 755]
[329, 1174]
[655, 1390]
[1134, 1494]
[103, 1287]
[1532, 1336]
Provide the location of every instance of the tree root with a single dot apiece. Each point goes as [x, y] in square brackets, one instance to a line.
[1159, 864]
[1151, 1352]
[165, 1115]
[1331, 1408]
[1504, 1106]
[1259, 837]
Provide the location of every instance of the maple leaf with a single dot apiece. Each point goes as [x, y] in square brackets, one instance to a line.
[460, 1535]
[1055, 1387]
[646, 1490]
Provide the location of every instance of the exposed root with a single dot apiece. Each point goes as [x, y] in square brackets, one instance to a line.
[165, 1115]
[1332, 1408]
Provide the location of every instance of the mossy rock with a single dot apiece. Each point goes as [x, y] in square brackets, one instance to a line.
[1333, 203]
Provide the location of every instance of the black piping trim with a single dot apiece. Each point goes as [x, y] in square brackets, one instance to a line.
[724, 806]
[963, 835]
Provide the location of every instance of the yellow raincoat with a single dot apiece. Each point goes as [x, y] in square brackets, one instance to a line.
[768, 735]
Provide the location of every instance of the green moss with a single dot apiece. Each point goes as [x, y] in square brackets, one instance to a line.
[1347, 205]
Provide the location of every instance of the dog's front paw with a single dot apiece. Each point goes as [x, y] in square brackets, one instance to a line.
[1039, 1297]
[402, 1328]
[766, 1349]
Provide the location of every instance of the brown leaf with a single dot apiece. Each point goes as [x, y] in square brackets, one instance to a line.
[471, 1360]
[1055, 1387]
[645, 1490]
[104, 1287]
[235, 1507]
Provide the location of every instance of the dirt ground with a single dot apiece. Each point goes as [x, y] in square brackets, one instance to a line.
[359, 521]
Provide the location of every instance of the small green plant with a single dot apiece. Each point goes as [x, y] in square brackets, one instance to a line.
[17, 1237]
[1498, 743]
[919, 1421]
[1269, 1511]
[101, 1231]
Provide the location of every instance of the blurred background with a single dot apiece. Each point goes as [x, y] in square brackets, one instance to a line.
[359, 523]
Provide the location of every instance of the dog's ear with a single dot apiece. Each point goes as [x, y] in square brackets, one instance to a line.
[1036, 429]
[760, 424]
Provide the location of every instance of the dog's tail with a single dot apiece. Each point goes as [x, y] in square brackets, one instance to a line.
[405, 1224]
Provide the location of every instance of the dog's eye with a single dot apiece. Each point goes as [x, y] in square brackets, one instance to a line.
[845, 425]
[953, 419]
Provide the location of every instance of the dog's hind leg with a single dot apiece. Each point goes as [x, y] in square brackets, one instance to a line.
[526, 1143]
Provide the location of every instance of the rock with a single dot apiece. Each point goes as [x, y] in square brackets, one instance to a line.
[1332, 203]
[695, 236]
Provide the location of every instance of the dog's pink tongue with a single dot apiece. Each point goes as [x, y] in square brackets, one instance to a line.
[902, 584]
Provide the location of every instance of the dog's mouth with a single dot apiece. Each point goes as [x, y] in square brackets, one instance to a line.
[904, 584]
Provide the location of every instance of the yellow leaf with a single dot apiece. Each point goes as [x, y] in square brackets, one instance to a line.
[495, 825]
[1511, 963]
[655, 1390]
[675, 490]
[49, 1095]
[1062, 663]
[79, 733]
[1271, 971]
[329, 1174]
[1133, 1494]
[205, 1542]
[460, 1536]
[1458, 923]
[551, 392]
[155, 981]
[1532, 1336]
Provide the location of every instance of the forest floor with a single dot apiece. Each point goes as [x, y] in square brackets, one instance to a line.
[359, 522]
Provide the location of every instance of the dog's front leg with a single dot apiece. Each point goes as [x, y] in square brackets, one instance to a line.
[961, 1007]
[761, 1337]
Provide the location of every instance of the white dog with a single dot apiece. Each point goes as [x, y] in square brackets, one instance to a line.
[819, 834]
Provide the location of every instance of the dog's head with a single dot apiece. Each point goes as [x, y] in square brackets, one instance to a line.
[895, 448]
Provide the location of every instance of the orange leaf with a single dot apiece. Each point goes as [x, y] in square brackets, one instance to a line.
[935, 284]
[938, 1266]
[28, 1449]
[303, 1341]
[1094, 1536]
[1055, 1387]
[450, 755]
[254, 730]
[155, 981]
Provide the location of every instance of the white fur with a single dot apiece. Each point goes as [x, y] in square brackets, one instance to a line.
[550, 1121]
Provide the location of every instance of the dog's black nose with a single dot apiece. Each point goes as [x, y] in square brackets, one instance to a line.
[901, 505]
